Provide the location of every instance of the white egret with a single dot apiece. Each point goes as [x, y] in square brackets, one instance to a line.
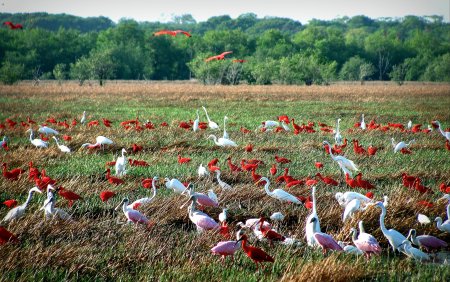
[222, 184]
[225, 133]
[310, 227]
[270, 123]
[279, 194]
[47, 130]
[345, 198]
[351, 208]
[213, 196]
[83, 118]
[337, 134]
[394, 237]
[19, 211]
[222, 142]
[196, 122]
[38, 143]
[363, 123]
[409, 125]
[211, 123]
[342, 161]
[223, 215]
[446, 134]
[444, 226]
[121, 164]
[63, 148]
[202, 171]
[175, 184]
[412, 252]
[423, 219]
[49, 207]
[400, 145]
[277, 216]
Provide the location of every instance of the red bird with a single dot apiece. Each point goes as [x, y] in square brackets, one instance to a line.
[147, 183]
[67, 138]
[408, 180]
[213, 162]
[13, 26]
[113, 179]
[421, 188]
[33, 172]
[30, 121]
[74, 122]
[171, 32]
[294, 182]
[248, 167]
[270, 234]
[12, 174]
[68, 195]
[311, 182]
[273, 169]
[47, 179]
[256, 254]
[371, 150]
[318, 165]
[447, 145]
[363, 183]
[327, 180]
[369, 195]
[106, 195]
[219, 57]
[106, 122]
[183, 160]
[6, 236]
[245, 130]
[350, 181]
[444, 188]
[93, 123]
[257, 177]
[10, 203]
[233, 167]
[225, 230]
[164, 123]
[184, 125]
[136, 148]
[249, 148]
[282, 160]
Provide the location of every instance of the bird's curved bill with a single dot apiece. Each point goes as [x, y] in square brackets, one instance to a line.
[118, 206]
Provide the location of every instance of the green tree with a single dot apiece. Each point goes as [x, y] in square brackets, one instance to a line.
[101, 65]
[59, 72]
[10, 73]
[398, 73]
[438, 69]
[356, 69]
[81, 70]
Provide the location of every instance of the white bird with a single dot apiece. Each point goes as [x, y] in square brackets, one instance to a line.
[409, 125]
[414, 253]
[344, 162]
[63, 148]
[345, 198]
[279, 194]
[310, 227]
[223, 215]
[38, 143]
[385, 200]
[121, 164]
[285, 127]
[213, 196]
[363, 123]
[350, 209]
[270, 123]
[211, 123]
[400, 145]
[196, 122]
[202, 171]
[444, 226]
[19, 211]
[337, 134]
[423, 219]
[102, 140]
[394, 237]
[277, 216]
[143, 201]
[133, 215]
[47, 130]
[83, 118]
[222, 184]
[222, 142]
[175, 184]
[46, 206]
[350, 249]
[225, 133]
[446, 134]
[254, 223]
[49, 207]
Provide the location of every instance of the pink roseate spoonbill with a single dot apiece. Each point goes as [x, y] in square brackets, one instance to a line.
[279, 194]
[325, 241]
[175, 185]
[394, 237]
[38, 143]
[202, 171]
[132, 215]
[62, 148]
[366, 243]
[400, 145]
[211, 123]
[444, 226]
[225, 248]
[412, 252]
[255, 254]
[144, 201]
[201, 198]
[428, 242]
[345, 198]
[172, 32]
[222, 184]
[219, 57]
[311, 227]
[19, 211]
[446, 134]
[201, 220]
[6, 236]
[342, 161]
[222, 142]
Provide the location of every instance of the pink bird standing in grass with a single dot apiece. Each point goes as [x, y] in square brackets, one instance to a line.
[133, 215]
[325, 241]
[365, 243]
[201, 219]
[226, 248]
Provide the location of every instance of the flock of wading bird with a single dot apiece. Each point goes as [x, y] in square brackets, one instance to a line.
[260, 228]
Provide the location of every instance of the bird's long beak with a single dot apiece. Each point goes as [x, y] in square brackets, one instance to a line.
[118, 206]
[185, 203]
[237, 242]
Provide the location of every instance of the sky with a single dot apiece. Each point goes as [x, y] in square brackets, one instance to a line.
[201, 10]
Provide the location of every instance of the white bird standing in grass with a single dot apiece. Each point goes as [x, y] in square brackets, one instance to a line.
[47, 130]
[225, 133]
[49, 207]
[423, 219]
[202, 171]
[83, 118]
[394, 237]
[146, 200]
[63, 148]
[100, 141]
[409, 125]
[345, 198]
[337, 134]
[277, 216]
[223, 215]
[444, 226]
[19, 211]
[342, 161]
[279, 194]
[446, 134]
[222, 142]
[121, 164]
[400, 145]
[211, 123]
[412, 252]
[175, 184]
[222, 184]
[38, 143]
[196, 122]
[310, 227]
[363, 123]
[270, 123]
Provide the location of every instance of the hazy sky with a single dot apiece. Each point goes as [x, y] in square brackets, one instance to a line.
[164, 10]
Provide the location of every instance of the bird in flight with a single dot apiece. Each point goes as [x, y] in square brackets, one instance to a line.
[171, 32]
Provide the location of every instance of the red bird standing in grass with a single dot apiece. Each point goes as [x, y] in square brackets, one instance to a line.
[282, 160]
[371, 150]
[106, 195]
[273, 169]
[318, 165]
[249, 148]
[255, 254]
[363, 183]
[112, 179]
[327, 180]
[6, 236]
[68, 195]
[172, 32]
[13, 174]
[183, 160]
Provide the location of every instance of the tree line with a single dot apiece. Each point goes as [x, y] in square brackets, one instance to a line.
[265, 50]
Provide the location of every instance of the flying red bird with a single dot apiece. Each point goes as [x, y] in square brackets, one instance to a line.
[218, 57]
[13, 26]
[171, 32]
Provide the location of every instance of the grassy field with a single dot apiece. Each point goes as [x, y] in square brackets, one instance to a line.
[97, 245]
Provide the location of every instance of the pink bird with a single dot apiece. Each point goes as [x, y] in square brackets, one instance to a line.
[428, 242]
[325, 241]
[200, 219]
[365, 243]
[226, 248]
[133, 215]
[201, 198]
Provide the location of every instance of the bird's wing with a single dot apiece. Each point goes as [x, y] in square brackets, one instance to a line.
[226, 53]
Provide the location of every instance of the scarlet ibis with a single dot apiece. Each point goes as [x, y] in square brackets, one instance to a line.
[12, 174]
[172, 32]
[6, 236]
[366, 243]
[447, 145]
[255, 254]
[13, 26]
[327, 180]
[68, 195]
[394, 237]
[318, 165]
[371, 150]
[211, 123]
[248, 167]
[112, 179]
[233, 167]
[279, 194]
[239, 61]
[67, 138]
[19, 211]
[363, 183]
[325, 241]
[10, 203]
[106, 195]
[350, 181]
[281, 160]
[222, 142]
[182, 160]
[136, 148]
[219, 57]
[273, 169]
[106, 122]
[340, 159]
[245, 130]
[249, 148]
